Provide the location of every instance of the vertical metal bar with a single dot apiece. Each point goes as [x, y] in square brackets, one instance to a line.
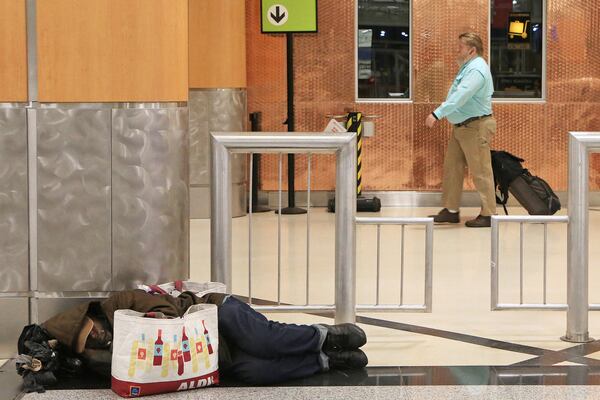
[32, 94]
[308, 229]
[402, 266]
[577, 243]
[545, 258]
[378, 263]
[32, 194]
[250, 231]
[521, 264]
[428, 265]
[345, 234]
[34, 310]
[32, 211]
[279, 233]
[220, 221]
[494, 263]
[32, 70]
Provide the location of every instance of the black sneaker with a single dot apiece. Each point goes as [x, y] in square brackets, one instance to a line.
[347, 359]
[445, 216]
[343, 336]
[480, 222]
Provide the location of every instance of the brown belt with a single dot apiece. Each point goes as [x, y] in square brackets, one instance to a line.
[466, 121]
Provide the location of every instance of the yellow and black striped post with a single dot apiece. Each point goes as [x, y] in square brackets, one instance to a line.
[354, 123]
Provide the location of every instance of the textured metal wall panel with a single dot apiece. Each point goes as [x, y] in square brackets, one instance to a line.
[324, 61]
[429, 146]
[215, 110]
[436, 26]
[14, 315]
[14, 231]
[267, 90]
[265, 65]
[73, 185]
[521, 131]
[560, 119]
[573, 48]
[324, 84]
[150, 218]
[380, 153]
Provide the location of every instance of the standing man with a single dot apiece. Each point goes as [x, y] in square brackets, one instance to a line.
[468, 108]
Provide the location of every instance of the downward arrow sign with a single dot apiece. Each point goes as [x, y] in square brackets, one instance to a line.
[278, 16]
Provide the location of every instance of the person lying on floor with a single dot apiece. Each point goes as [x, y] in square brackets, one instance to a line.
[252, 349]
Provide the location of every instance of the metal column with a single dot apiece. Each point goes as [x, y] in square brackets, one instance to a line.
[580, 144]
[345, 235]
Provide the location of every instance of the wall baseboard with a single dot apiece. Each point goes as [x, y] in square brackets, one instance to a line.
[397, 198]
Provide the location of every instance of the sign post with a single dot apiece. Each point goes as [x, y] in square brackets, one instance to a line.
[289, 17]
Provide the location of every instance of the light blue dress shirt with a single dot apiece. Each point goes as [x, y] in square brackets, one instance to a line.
[471, 93]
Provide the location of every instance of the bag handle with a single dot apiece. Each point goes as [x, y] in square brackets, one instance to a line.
[179, 285]
[155, 315]
[156, 289]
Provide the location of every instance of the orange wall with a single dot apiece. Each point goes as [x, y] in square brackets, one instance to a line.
[112, 50]
[217, 44]
[404, 154]
[13, 51]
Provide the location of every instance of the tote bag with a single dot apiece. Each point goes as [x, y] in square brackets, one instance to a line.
[154, 354]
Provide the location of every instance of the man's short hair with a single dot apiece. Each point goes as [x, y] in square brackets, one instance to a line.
[473, 40]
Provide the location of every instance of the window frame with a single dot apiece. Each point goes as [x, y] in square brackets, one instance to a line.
[408, 99]
[524, 100]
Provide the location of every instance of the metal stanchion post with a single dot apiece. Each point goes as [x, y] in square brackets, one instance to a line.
[345, 235]
[220, 220]
[577, 243]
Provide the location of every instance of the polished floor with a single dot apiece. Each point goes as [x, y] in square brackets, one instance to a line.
[355, 393]
[519, 354]
[461, 330]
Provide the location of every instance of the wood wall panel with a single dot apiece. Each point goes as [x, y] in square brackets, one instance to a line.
[218, 43]
[112, 50]
[13, 51]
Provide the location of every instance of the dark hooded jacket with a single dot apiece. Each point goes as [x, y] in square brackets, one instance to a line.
[65, 327]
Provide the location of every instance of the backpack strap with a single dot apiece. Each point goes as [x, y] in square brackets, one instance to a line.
[503, 203]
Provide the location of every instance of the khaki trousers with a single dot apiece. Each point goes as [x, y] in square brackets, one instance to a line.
[469, 146]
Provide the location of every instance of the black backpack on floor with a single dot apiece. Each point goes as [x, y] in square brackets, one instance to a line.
[532, 192]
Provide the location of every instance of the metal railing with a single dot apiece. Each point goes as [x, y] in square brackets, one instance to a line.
[344, 146]
[495, 256]
[401, 306]
[581, 144]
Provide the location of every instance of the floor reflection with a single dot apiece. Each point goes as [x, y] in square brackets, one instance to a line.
[460, 375]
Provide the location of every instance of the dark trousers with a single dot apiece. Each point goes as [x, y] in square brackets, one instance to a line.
[263, 351]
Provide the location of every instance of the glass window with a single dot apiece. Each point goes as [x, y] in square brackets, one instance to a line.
[383, 55]
[516, 51]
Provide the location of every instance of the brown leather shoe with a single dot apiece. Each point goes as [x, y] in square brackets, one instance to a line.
[445, 216]
[480, 222]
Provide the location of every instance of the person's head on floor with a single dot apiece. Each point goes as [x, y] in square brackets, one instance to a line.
[93, 335]
[470, 46]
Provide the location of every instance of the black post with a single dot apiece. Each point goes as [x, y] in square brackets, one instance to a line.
[291, 208]
[255, 127]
